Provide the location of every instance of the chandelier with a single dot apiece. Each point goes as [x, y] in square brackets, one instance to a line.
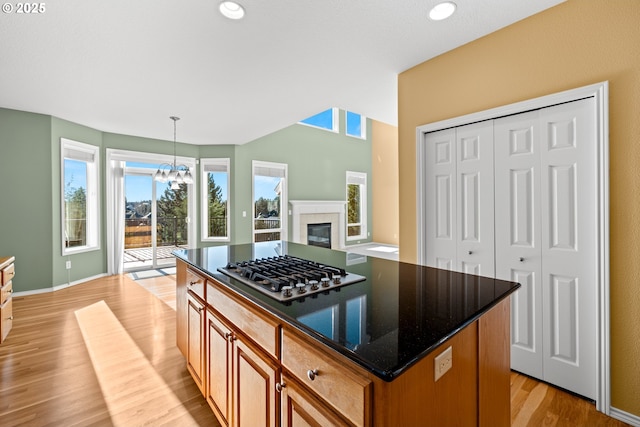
[174, 173]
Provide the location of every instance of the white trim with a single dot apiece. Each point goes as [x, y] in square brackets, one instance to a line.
[58, 287]
[626, 417]
[204, 211]
[600, 92]
[357, 178]
[93, 196]
[283, 197]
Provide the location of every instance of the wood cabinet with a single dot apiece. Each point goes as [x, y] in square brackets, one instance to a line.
[241, 377]
[300, 408]
[259, 370]
[196, 340]
[7, 272]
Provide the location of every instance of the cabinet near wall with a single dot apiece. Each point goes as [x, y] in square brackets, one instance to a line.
[7, 271]
[254, 368]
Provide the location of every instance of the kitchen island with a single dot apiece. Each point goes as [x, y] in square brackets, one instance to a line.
[403, 345]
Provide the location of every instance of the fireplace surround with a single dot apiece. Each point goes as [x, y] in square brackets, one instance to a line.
[304, 212]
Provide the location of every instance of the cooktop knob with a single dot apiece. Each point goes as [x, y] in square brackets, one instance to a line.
[336, 279]
[326, 282]
[286, 291]
[300, 288]
[313, 284]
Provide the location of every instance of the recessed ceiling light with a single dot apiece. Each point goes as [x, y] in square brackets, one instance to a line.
[231, 10]
[442, 10]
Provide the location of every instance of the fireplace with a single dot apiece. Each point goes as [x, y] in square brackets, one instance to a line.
[319, 235]
[306, 212]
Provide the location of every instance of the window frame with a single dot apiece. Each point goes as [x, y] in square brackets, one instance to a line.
[357, 178]
[335, 121]
[79, 151]
[204, 198]
[284, 198]
[363, 125]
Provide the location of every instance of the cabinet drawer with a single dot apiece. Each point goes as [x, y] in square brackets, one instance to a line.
[263, 330]
[196, 283]
[5, 292]
[343, 389]
[6, 318]
[8, 273]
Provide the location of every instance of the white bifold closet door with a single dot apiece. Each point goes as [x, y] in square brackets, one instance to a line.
[460, 186]
[546, 176]
[515, 198]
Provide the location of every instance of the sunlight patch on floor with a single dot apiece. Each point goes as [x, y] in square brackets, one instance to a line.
[133, 391]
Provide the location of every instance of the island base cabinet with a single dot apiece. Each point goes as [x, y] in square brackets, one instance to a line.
[301, 409]
[241, 378]
[7, 272]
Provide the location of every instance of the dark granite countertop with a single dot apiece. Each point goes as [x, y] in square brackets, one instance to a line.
[386, 323]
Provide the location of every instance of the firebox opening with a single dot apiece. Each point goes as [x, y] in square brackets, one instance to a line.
[319, 235]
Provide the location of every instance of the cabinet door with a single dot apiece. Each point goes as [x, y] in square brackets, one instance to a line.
[195, 341]
[300, 409]
[219, 368]
[255, 401]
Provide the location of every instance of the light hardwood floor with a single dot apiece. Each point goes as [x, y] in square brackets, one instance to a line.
[103, 353]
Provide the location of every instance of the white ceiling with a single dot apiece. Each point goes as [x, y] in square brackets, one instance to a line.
[125, 66]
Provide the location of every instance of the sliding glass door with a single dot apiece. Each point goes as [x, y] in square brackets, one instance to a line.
[155, 221]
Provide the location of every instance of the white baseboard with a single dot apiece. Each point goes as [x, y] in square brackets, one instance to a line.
[626, 417]
[58, 287]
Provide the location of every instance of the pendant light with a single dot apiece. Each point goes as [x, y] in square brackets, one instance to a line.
[177, 174]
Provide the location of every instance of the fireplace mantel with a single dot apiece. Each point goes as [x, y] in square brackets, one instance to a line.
[305, 212]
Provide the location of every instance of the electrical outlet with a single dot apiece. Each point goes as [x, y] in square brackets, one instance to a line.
[68, 265]
[443, 362]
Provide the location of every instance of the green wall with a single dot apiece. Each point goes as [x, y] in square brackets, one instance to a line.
[30, 218]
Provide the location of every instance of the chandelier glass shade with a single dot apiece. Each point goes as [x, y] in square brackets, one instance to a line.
[173, 173]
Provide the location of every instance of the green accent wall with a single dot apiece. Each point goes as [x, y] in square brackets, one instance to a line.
[30, 214]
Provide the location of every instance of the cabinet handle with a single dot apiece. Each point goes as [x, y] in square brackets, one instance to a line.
[10, 318]
[521, 259]
[200, 309]
[280, 386]
[229, 336]
[193, 283]
[312, 374]
[470, 252]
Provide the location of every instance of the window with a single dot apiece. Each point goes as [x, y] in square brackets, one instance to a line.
[269, 201]
[328, 120]
[356, 125]
[356, 205]
[80, 196]
[215, 199]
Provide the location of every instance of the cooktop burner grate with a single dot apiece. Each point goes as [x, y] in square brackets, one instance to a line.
[287, 278]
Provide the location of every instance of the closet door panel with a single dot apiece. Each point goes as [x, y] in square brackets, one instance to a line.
[475, 204]
[441, 232]
[518, 233]
[568, 142]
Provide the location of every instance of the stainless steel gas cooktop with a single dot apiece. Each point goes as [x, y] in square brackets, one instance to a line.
[288, 278]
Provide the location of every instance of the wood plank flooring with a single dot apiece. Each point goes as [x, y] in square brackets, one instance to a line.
[103, 353]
